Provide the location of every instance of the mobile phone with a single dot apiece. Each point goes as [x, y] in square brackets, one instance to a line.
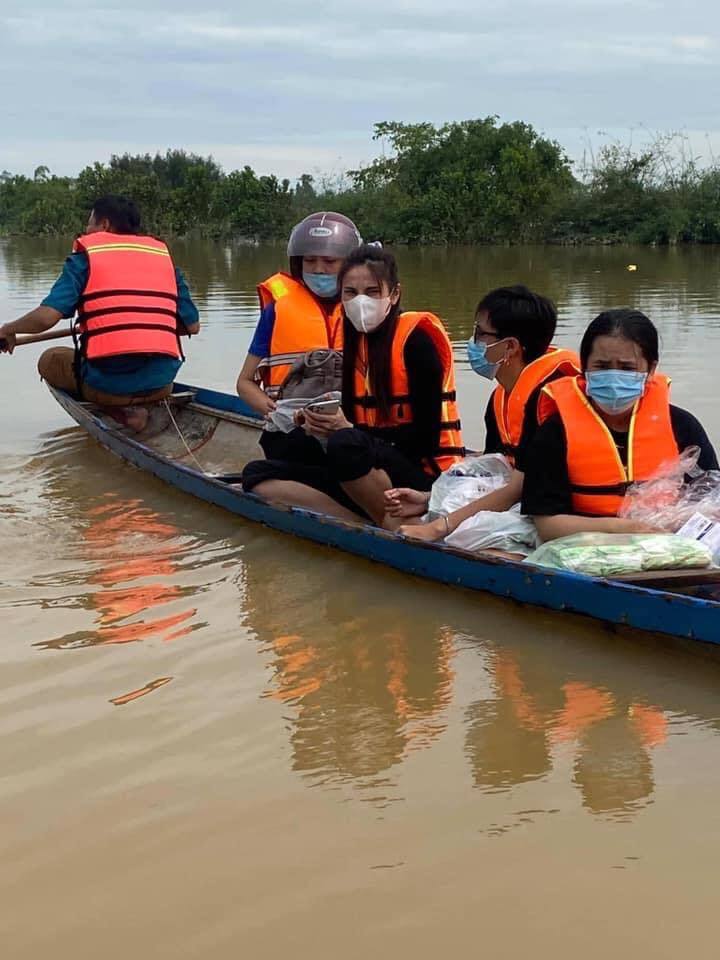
[324, 406]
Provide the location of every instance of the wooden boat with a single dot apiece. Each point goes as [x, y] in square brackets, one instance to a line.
[200, 440]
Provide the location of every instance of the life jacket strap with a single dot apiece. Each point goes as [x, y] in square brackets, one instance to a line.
[100, 294]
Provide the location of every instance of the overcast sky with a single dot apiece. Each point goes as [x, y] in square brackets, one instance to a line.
[292, 87]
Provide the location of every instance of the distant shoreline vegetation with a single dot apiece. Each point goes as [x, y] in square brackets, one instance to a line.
[472, 182]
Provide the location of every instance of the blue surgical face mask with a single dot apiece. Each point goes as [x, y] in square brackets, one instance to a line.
[321, 284]
[615, 391]
[476, 353]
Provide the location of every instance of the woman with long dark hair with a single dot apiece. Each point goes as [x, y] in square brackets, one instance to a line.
[398, 423]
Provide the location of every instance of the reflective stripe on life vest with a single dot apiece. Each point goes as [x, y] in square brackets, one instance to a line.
[129, 304]
[450, 448]
[509, 409]
[300, 325]
[598, 478]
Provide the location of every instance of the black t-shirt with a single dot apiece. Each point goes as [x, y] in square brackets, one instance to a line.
[493, 441]
[420, 438]
[546, 488]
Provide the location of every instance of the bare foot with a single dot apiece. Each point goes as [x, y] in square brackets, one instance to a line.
[137, 418]
[405, 502]
[391, 523]
[433, 531]
[134, 418]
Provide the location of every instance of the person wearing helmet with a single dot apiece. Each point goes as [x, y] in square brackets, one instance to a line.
[399, 416]
[300, 311]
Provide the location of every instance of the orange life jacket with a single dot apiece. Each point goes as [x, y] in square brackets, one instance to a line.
[509, 409]
[129, 304]
[450, 447]
[650, 723]
[597, 476]
[301, 325]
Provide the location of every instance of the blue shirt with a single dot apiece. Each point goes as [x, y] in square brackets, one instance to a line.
[118, 375]
[260, 346]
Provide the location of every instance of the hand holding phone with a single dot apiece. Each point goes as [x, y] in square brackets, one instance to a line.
[327, 407]
[319, 421]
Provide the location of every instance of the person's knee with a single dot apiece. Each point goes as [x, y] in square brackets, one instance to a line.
[45, 364]
[349, 454]
[344, 442]
[257, 472]
[55, 366]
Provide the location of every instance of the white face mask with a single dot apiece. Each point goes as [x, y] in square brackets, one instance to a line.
[366, 313]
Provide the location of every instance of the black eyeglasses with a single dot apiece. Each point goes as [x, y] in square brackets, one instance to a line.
[478, 335]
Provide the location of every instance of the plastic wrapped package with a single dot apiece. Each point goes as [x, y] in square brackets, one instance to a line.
[616, 554]
[468, 480]
[508, 530]
[668, 501]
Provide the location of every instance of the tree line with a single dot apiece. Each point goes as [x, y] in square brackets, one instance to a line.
[469, 182]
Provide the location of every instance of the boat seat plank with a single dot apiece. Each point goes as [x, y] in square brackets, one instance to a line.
[178, 399]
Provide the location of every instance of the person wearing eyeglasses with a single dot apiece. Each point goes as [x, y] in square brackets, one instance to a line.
[511, 344]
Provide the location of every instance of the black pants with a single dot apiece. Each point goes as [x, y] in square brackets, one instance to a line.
[350, 454]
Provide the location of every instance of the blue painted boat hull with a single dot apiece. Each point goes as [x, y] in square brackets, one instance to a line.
[608, 601]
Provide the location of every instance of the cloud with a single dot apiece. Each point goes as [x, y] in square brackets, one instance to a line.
[295, 87]
[693, 43]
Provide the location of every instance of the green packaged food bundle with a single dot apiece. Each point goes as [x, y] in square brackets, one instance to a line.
[617, 554]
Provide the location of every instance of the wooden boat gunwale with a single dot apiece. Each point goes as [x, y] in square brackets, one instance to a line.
[609, 601]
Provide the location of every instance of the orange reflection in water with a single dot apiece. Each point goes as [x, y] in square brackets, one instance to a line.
[129, 542]
[365, 695]
[130, 527]
[513, 738]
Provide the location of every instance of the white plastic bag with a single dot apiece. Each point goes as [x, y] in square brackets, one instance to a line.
[508, 530]
[468, 480]
[666, 500]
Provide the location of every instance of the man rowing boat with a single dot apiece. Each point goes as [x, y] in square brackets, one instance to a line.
[132, 306]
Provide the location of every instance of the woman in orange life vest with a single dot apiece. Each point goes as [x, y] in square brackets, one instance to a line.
[300, 311]
[398, 423]
[609, 427]
[511, 344]
[133, 304]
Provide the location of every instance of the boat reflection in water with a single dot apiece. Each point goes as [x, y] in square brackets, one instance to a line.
[372, 669]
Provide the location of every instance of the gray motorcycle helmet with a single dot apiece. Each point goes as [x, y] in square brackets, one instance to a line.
[324, 234]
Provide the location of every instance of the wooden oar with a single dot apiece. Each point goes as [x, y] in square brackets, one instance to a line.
[37, 338]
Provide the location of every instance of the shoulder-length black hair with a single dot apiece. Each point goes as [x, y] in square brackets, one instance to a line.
[383, 267]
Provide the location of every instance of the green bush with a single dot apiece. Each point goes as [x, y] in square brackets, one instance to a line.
[477, 181]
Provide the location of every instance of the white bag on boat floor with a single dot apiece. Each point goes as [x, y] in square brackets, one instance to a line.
[468, 480]
[281, 419]
[615, 554]
[487, 530]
